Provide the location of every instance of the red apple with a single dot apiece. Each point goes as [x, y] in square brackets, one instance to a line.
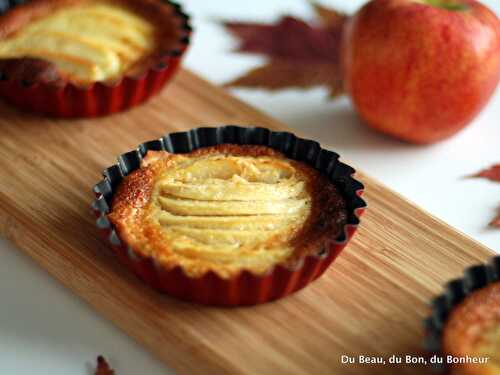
[420, 70]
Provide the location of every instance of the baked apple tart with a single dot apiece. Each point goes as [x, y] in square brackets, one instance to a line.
[226, 209]
[82, 58]
[471, 335]
[86, 41]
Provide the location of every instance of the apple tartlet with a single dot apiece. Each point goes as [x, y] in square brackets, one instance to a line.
[83, 42]
[229, 215]
[227, 209]
[472, 333]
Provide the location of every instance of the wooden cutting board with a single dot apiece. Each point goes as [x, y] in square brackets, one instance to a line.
[370, 302]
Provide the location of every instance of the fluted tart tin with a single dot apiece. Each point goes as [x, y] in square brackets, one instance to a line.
[246, 288]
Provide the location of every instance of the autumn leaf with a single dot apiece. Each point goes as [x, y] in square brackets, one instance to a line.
[300, 54]
[496, 221]
[492, 173]
[103, 367]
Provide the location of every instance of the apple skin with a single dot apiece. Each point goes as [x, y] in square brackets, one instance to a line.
[419, 72]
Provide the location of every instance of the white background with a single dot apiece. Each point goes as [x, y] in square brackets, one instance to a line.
[45, 329]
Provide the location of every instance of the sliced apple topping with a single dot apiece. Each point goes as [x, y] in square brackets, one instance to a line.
[223, 207]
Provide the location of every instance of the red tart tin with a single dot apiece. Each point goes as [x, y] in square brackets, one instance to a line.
[246, 288]
[69, 100]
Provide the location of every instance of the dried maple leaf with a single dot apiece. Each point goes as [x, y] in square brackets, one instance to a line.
[492, 173]
[103, 367]
[300, 54]
[495, 222]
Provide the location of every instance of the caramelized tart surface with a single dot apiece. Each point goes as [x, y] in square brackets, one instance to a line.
[225, 209]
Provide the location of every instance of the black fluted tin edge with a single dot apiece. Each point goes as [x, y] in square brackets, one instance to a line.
[455, 291]
[6, 5]
[308, 151]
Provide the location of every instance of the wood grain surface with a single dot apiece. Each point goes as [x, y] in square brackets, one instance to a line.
[370, 302]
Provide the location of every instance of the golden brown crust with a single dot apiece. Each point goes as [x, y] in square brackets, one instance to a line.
[168, 37]
[473, 329]
[323, 225]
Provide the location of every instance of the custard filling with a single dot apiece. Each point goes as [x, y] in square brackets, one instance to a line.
[233, 210]
[96, 41]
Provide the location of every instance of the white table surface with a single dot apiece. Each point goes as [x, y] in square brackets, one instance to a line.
[45, 329]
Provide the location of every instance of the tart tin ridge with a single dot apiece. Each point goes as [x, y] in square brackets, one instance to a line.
[99, 98]
[246, 288]
[455, 291]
